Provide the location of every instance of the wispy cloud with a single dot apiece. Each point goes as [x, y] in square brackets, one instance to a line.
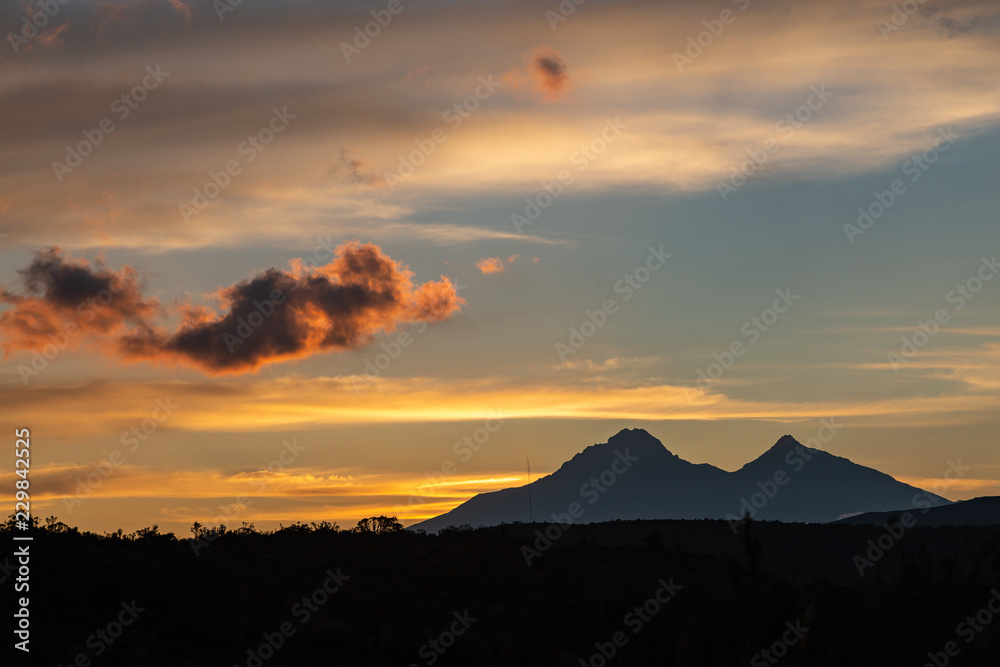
[284, 403]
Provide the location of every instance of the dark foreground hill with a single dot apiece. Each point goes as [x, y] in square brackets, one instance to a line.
[633, 476]
[643, 592]
[983, 511]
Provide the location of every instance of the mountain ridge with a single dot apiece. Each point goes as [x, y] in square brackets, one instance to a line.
[635, 476]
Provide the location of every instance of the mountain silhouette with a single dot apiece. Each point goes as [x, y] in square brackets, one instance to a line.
[982, 511]
[633, 476]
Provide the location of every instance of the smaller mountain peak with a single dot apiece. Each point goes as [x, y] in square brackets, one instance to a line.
[785, 442]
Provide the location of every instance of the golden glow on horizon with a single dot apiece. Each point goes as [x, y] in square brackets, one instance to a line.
[302, 402]
[210, 495]
[242, 496]
[944, 486]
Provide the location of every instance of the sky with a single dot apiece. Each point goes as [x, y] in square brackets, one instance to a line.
[285, 261]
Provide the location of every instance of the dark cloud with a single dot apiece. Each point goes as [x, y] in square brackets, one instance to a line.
[551, 68]
[275, 316]
[65, 301]
[545, 71]
[549, 72]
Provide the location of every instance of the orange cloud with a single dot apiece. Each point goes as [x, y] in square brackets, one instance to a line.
[281, 315]
[490, 265]
[275, 316]
[545, 71]
[495, 264]
[66, 301]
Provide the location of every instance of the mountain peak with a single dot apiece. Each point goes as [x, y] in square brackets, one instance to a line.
[785, 443]
[632, 433]
[639, 439]
[777, 454]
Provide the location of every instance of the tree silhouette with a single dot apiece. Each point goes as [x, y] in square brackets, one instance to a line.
[54, 525]
[379, 525]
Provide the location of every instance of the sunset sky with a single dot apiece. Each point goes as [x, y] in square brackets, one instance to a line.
[490, 231]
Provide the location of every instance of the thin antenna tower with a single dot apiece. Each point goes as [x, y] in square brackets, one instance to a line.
[531, 514]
